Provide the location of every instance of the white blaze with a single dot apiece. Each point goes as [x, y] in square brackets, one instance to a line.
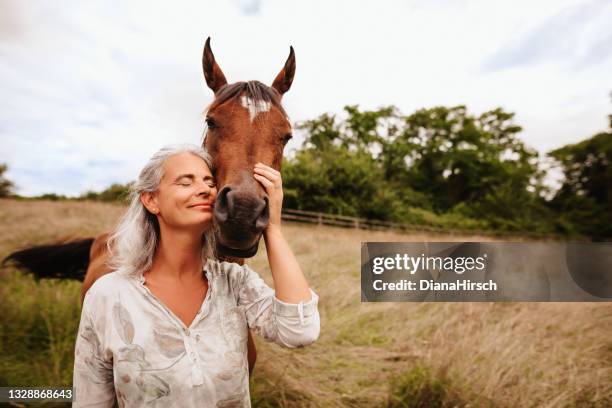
[254, 107]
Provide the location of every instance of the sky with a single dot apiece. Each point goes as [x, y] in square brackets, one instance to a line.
[90, 90]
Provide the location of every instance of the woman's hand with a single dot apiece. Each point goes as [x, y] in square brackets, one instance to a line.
[272, 182]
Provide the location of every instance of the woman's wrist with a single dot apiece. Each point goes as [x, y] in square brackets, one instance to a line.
[272, 229]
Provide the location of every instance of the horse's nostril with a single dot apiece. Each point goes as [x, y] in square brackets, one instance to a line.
[261, 222]
[222, 198]
[240, 209]
[221, 205]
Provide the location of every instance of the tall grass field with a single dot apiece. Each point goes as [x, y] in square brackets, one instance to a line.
[368, 354]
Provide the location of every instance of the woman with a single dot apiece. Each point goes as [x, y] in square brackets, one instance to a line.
[168, 327]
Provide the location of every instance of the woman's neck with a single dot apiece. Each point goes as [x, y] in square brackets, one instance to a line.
[178, 256]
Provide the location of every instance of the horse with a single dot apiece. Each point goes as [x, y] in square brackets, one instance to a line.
[245, 124]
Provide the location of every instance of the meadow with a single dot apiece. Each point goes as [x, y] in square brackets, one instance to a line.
[368, 354]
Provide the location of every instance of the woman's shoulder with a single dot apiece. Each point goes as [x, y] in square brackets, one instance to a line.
[106, 286]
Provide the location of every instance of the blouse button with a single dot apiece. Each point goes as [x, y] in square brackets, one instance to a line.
[187, 332]
[197, 337]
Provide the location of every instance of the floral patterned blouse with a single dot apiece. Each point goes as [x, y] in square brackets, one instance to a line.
[131, 347]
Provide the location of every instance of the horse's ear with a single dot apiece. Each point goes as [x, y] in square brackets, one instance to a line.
[283, 80]
[213, 74]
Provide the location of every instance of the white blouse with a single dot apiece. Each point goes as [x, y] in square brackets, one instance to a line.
[132, 347]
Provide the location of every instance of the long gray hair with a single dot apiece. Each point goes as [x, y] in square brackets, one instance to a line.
[133, 243]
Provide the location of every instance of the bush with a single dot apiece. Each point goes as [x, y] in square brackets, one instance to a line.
[419, 388]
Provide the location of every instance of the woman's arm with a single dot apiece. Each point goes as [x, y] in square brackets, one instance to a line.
[93, 372]
[286, 324]
[289, 315]
[289, 281]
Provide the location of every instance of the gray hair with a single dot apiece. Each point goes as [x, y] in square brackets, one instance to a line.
[133, 243]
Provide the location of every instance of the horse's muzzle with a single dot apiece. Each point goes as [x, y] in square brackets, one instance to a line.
[241, 216]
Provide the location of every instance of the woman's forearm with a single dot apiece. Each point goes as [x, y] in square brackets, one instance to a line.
[289, 282]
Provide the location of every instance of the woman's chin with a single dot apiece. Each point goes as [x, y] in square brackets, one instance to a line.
[203, 222]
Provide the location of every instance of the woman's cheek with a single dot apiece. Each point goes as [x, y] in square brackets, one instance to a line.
[186, 193]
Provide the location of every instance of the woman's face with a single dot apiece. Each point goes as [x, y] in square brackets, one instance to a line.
[186, 193]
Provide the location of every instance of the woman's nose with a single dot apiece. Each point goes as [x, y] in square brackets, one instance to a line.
[205, 190]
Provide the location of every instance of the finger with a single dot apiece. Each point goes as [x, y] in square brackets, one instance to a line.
[268, 185]
[275, 178]
[272, 170]
[267, 173]
[263, 166]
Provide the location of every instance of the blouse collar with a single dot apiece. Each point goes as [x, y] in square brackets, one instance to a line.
[205, 269]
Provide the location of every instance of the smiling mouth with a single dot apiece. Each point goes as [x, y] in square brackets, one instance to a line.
[209, 206]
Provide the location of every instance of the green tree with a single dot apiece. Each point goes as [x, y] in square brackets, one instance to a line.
[338, 181]
[382, 164]
[585, 198]
[115, 192]
[458, 158]
[7, 187]
[338, 169]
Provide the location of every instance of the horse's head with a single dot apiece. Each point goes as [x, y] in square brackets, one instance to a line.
[246, 124]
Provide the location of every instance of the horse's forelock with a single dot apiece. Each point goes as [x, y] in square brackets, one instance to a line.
[254, 90]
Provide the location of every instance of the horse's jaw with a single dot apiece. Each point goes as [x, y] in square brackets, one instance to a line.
[238, 253]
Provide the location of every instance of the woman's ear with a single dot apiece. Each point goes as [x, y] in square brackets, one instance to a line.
[149, 200]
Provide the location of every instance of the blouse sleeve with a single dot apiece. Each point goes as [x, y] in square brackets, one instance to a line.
[289, 325]
[93, 371]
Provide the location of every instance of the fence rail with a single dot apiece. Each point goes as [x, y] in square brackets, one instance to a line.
[320, 218]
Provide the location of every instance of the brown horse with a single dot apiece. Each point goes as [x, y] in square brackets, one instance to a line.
[246, 124]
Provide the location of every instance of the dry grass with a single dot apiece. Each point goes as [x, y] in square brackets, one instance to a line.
[369, 354]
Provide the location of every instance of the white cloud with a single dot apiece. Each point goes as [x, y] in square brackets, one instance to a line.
[91, 89]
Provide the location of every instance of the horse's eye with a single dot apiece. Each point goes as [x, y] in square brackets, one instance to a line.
[287, 137]
[211, 123]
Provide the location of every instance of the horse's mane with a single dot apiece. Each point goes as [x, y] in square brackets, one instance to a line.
[254, 90]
